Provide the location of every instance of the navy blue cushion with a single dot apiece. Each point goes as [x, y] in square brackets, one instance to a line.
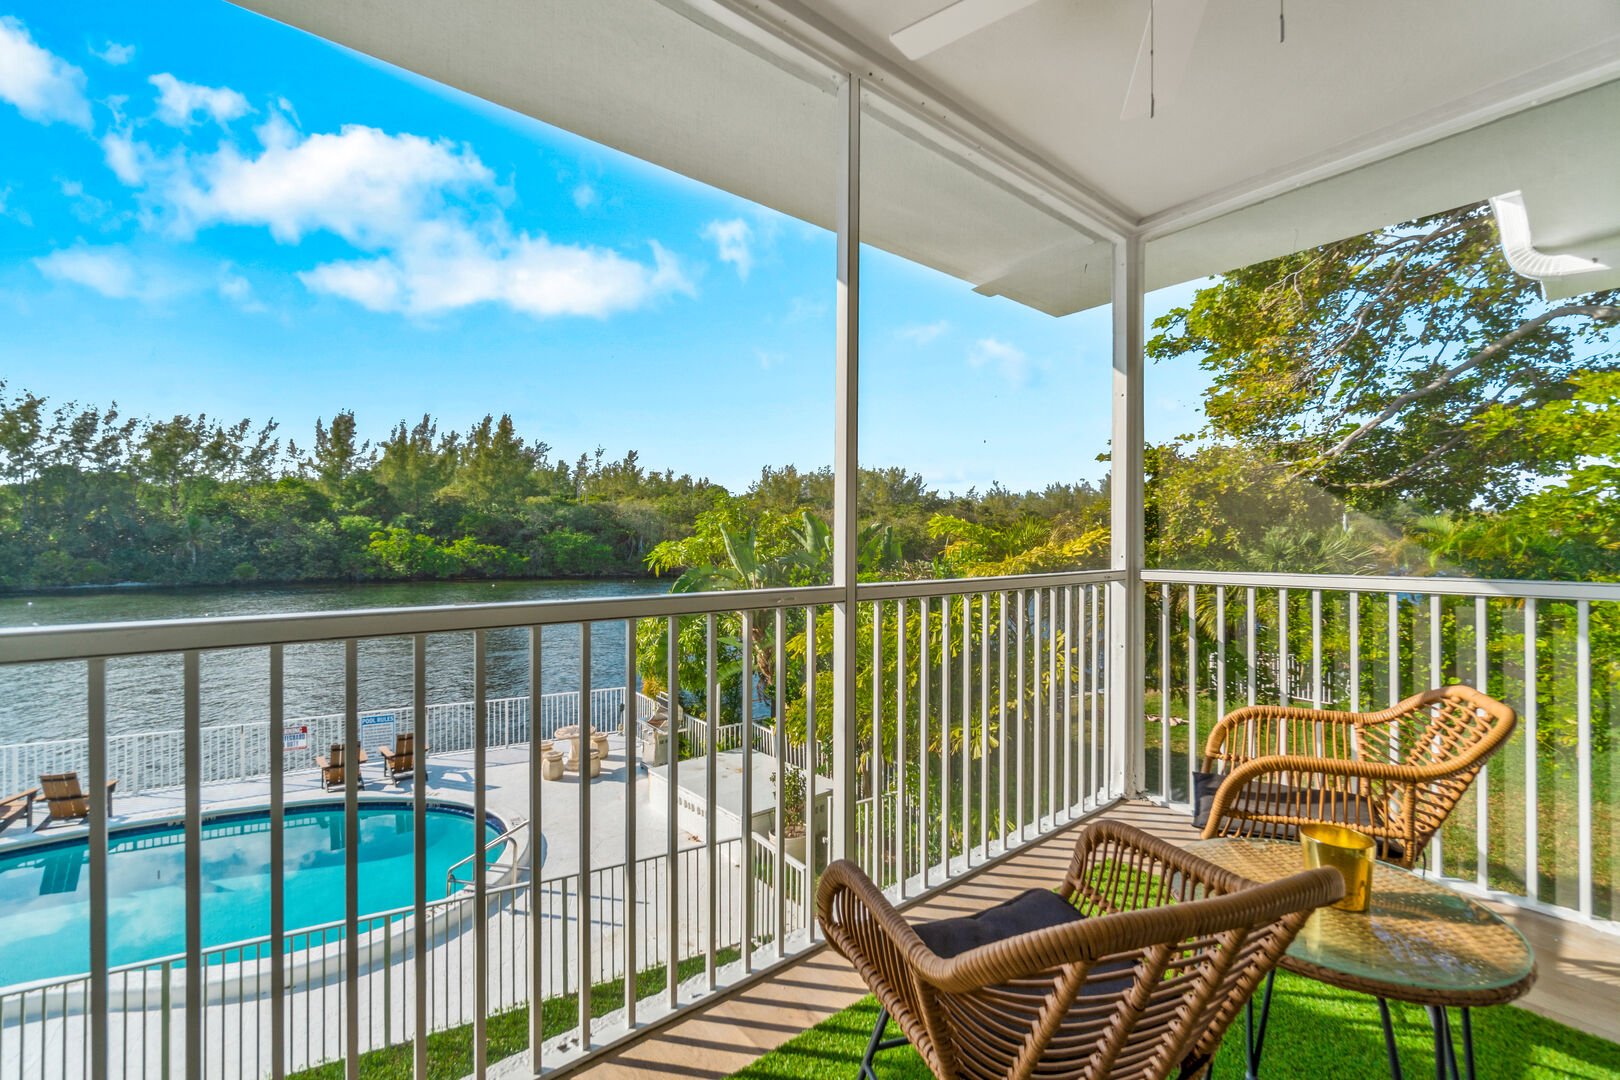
[1035, 909]
[1205, 784]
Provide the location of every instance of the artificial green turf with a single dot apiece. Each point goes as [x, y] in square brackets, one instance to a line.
[450, 1052]
[1314, 1033]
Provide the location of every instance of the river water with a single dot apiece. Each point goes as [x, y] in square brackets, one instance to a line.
[48, 701]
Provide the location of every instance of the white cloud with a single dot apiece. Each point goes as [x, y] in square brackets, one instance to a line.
[733, 241]
[110, 271]
[114, 53]
[805, 309]
[530, 274]
[238, 290]
[425, 213]
[585, 196]
[924, 333]
[42, 85]
[367, 186]
[179, 102]
[15, 213]
[1008, 359]
[769, 358]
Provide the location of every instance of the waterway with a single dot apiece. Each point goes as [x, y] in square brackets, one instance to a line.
[48, 701]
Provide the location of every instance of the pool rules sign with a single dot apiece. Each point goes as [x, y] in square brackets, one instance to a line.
[377, 729]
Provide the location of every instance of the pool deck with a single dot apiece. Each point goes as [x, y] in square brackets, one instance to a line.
[237, 1029]
[451, 780]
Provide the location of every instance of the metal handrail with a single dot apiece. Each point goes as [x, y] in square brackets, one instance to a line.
[1415, 585]
[450, 879]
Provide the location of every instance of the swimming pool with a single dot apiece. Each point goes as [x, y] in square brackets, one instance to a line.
[45, 899]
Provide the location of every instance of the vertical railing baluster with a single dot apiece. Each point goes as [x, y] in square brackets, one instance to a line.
[1532, 758]
[1353, 619]
[420, 748]
[1018, 728]
[810, 767]
[672, 773]
[1002, 726]
[1252, 659]
[1052, 626]
[779, 876]
[945, 738]
[1164, 692]
[875, 817]
[902, 769]
[1083, 689]
[1436, 678]
[584, 947]
[967, 727]
[195, 999]
[537, 923]
[1482, 790]
[97, 1020]
[1037, 778]
[1284, 691]
[632, 729]
[1099, 682]
[1316, 648]
[1583, 753]
[1220, 653]
[1192, 688]
[924, 860]
[984, 725]
[277, 748]
[745, 836]
[711, 868]
[351, 858]
[480, 881]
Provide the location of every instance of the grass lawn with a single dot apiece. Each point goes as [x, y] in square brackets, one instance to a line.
[450, 1052]
[1314, 1032]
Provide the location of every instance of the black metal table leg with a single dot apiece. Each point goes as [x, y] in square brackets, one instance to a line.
[876, 1043]
[1389, 1040]
[1468, 1042]
[1254, 1035]
[1445, 1047]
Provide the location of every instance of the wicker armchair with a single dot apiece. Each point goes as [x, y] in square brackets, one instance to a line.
[1394, 774]
[1155, 953]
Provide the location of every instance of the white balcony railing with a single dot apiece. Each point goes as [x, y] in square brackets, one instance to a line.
[1541, 824]
[979, 723]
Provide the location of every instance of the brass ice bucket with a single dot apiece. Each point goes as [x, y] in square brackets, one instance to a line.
[1347, 851]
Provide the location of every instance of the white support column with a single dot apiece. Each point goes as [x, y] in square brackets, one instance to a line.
[1126, 650]
[846, 460]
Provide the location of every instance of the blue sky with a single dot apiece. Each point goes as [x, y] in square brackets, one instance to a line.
[204, 211]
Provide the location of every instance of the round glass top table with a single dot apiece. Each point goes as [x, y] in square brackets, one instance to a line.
[1420, 942]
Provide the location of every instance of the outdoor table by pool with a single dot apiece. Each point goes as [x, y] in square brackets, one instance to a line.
[1420, 943]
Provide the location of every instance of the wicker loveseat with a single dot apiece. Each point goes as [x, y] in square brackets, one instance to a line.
[1394, 774]
[1133, 968]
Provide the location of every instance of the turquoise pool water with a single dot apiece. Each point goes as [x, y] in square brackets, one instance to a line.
[45, 900]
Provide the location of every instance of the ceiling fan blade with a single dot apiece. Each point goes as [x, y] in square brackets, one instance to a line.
[952, 23]
[1169, 33]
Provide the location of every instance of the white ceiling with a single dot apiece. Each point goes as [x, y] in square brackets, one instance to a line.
[1054, 75]
[1371, 112]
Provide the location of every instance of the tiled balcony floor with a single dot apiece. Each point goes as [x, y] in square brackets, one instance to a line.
[1578, 984]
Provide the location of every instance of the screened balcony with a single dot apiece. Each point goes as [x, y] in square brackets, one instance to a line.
[647, 902]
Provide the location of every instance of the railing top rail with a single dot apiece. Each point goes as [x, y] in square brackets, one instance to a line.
[1389, 583]
[895, 590]
[34, 644]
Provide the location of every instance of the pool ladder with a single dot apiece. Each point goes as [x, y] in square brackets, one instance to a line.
[450, 879]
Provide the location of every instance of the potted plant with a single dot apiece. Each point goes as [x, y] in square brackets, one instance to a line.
[793, 795]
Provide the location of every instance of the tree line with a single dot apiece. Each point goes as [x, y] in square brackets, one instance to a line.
[90, 496]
